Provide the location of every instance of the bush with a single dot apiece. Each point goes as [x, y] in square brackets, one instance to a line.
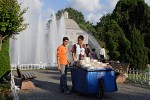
[5, 92]
[137, 55]
[4, 58]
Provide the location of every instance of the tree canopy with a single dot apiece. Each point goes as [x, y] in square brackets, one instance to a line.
[137, 54]
[126, 32]
[11, 22]
[11, 18]
[73, 14]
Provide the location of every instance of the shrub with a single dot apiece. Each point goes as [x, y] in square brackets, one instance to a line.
[4, 58]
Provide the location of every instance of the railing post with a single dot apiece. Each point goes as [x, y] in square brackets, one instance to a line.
[148, 75]
[134, 75]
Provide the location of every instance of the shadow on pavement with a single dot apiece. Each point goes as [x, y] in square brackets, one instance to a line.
[47, 85]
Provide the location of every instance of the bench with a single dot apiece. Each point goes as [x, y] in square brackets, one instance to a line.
[120, 67]
[26, 79]
[121, 70]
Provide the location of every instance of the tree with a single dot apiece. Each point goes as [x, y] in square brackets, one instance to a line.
[114, 38]
[73, 14]
[126, 32]
[129, 13]
[4, 58]
[101, 27]
[137, 54]
[11, 22]
[11, 19]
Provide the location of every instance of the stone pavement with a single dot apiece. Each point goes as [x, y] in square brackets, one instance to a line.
[47, 83]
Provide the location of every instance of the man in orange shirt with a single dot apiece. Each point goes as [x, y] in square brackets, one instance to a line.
[62, 59]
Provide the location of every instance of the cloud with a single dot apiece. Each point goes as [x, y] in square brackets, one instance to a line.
[148, 2]
[93, 9]
[108, 6]
[85, 5]
[94, 17]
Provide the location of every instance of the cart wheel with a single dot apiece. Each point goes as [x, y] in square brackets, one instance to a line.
[100, 93]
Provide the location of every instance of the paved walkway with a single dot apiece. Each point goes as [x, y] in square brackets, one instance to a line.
[47, 83]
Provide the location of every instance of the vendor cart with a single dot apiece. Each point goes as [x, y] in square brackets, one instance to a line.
[93, 81]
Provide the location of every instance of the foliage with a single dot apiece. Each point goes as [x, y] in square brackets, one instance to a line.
[4, 58]
[101, 29]
[73, 14]
[129, 13]
[138, 53]
[115, 40]
[123, 32]
[11, 19]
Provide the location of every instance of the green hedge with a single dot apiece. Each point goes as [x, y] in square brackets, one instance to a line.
[4, 58]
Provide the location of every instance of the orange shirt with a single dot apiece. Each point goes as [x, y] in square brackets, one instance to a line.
[62, 54]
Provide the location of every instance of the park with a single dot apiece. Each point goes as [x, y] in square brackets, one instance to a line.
[30, 37]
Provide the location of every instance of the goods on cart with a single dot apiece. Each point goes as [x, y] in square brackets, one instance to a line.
[91, 63]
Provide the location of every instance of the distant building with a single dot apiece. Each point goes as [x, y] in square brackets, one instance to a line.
[73, 30]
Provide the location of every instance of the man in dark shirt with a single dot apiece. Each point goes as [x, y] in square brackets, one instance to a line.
[87, 50]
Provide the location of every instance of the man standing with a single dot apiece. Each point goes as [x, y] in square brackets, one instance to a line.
[102, 54]
[87, 50]
[78, 53]
[93, 54]
[62, 59]
[78, 50]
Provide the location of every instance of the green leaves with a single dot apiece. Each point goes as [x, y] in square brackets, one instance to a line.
[137, 53]
[112, 37]
[123, 31]
[4, 58]
[73, 14]
[132, 15]
[11, 17]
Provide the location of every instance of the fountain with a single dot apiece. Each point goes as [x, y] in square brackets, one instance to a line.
[37, 47]
[56, 32]
[52, 39]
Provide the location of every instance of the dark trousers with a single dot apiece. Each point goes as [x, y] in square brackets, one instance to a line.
[101, 58]
[63, 78]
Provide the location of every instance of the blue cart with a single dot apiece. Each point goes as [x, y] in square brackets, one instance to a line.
[93, 81]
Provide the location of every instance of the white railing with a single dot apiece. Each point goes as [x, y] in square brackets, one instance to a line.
[28, 66]
[13, 88]
[139, 76]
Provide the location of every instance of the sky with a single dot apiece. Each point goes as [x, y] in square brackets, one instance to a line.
[92, 9]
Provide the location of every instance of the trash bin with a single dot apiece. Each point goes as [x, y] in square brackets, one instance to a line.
[93, 81]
